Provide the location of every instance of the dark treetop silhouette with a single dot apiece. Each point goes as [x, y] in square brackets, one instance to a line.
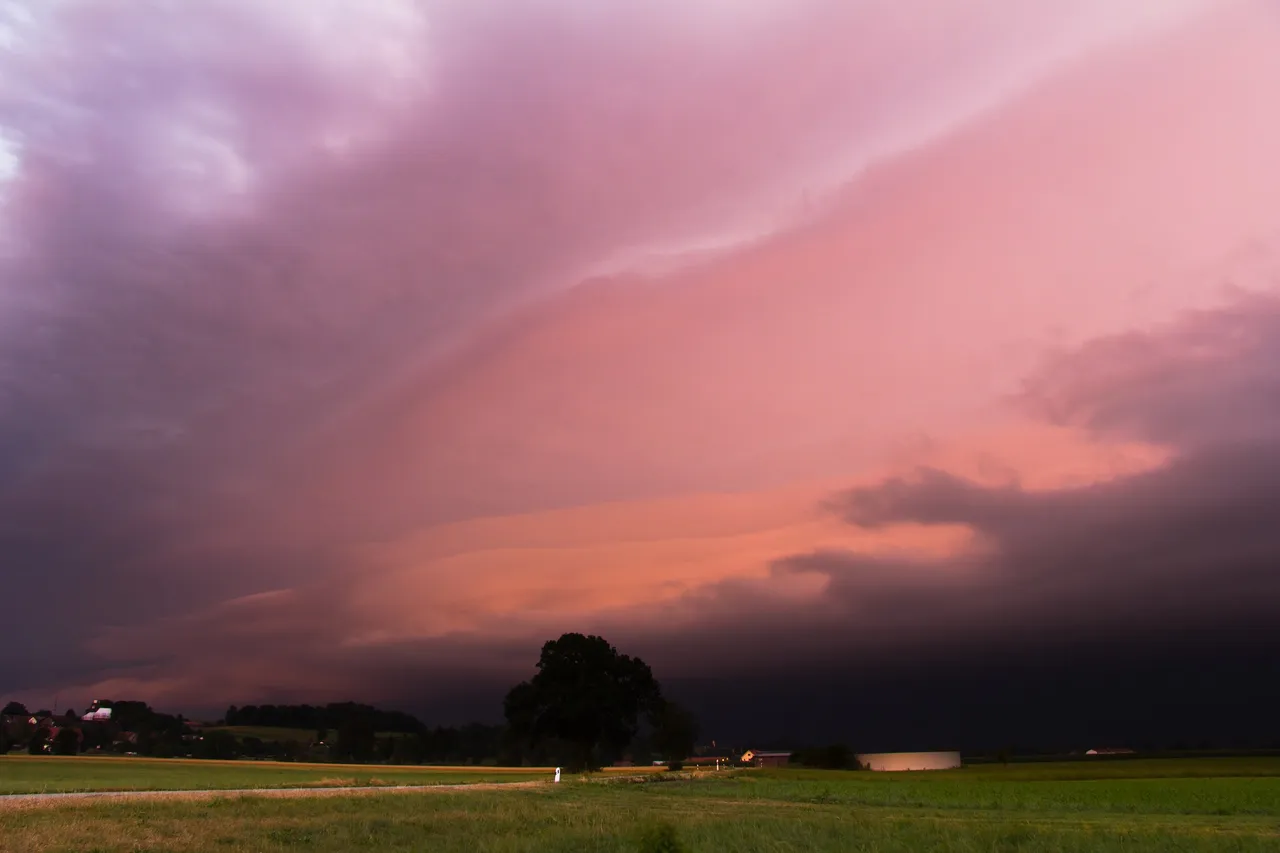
[587, 698]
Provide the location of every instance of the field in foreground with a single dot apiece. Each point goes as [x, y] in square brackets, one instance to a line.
[48, 774]
[1184, 805]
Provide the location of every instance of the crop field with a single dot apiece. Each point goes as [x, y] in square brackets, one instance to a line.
[20, 774]
[1183, 805]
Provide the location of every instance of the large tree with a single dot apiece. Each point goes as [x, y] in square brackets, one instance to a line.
[39, 739]
[585, 695]
[15, 709]
[66, 741]
[675, 733]
[356, 742]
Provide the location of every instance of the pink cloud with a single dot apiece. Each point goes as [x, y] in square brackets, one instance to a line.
[304, 340]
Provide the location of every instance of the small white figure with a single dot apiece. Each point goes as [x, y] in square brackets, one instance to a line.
[557, 774]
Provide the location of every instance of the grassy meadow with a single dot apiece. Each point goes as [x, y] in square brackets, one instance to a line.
[1183, 805]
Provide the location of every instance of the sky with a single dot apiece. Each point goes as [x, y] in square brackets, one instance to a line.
[833, 356]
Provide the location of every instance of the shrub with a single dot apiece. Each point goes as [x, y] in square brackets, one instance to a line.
[660, 838]
[36, 746]
[67, 742]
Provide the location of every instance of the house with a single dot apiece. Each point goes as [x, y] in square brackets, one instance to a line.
[766, 759]
[1109, 751]
[97, 713]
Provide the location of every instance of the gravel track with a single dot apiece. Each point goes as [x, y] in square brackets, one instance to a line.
[65, 798]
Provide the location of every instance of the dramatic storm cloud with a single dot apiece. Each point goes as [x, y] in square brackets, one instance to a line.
[349, 347]
[1192, 542]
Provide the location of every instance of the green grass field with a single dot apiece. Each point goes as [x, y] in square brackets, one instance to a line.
[1181, 805]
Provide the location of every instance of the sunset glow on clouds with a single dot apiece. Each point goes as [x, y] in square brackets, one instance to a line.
[388, 338]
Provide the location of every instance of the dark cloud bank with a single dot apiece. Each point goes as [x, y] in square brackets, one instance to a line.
[1144, 610]
[1138, 611]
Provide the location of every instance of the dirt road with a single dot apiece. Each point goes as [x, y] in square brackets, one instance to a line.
[29, 800]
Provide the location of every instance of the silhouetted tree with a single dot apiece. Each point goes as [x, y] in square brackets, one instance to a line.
[253, 747]
[356, 739]
[586, 695]
[167, 745]
[407, 750]
[39, 739]
[66, 741]
[15, 709]
[96, 735]
[291, 750]
[217, 744]
[641, 749]
[675, 732]
[315, 717]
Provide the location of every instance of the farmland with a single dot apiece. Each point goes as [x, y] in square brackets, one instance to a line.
[1205, 804]
[49, 774]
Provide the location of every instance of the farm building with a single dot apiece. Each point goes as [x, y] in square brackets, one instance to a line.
[97, 712]
[766, 759]
[1110, 751]
[898, 761]
[706, 761]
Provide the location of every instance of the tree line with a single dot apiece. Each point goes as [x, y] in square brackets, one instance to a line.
[587, 706]
[320, 717]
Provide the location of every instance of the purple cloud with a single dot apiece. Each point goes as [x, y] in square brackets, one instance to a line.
[228, 225]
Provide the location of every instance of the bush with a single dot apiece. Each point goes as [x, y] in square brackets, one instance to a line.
[67, 742]
[216, 745]
[660, 838]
